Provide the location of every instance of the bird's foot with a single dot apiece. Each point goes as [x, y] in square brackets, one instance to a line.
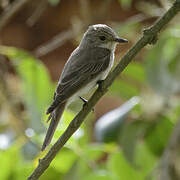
[85, 101]
[100, 84]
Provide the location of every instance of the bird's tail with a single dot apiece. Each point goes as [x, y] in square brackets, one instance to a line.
[55, 116]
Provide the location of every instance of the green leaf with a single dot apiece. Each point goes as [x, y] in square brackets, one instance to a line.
[123, 89]
[121, 169]
[98, 175]
[93, 151]
[145, 160]
[83, 169]
[135, 71]
[125, 3]
[174, 64]
[22, 169]
[129, 136]
[158, 136]
[54, 2]
[13, 166]
[64, 160]
[7, 159]
[51, 173]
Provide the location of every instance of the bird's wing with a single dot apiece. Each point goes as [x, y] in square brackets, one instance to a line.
[88, 66]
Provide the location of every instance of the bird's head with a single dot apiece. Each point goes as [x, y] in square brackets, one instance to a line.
[101, 35]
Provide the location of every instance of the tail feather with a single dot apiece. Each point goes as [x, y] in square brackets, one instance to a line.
[55, 116]
[55, 104]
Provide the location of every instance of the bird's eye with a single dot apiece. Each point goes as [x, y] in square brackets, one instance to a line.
[102, 38]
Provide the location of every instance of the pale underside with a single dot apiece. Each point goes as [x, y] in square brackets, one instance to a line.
[81, 73]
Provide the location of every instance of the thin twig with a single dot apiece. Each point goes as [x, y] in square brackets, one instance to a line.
[149, 37]
[55, 42]
[11, 11]
[39, 10]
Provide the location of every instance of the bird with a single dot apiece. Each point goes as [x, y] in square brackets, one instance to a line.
[88, 64]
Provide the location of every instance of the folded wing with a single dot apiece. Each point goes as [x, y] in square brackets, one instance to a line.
[81, 68]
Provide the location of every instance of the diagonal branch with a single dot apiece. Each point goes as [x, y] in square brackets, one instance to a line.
[149, 37]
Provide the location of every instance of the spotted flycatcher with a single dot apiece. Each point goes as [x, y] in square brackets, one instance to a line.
[88, 64]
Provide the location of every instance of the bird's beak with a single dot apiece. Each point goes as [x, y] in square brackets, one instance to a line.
[120, 40]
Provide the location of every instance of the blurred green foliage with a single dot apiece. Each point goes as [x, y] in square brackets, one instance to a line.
[53, 2]
[154, 77]
[35, 81]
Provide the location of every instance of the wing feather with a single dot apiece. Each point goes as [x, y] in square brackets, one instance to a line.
[88, 66]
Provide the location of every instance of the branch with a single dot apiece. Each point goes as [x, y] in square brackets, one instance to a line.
[149, 37]
[55, 42]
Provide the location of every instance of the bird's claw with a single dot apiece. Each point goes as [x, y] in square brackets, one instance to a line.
[85, 101]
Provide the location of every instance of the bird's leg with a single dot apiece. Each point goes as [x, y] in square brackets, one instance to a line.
[85, 101]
